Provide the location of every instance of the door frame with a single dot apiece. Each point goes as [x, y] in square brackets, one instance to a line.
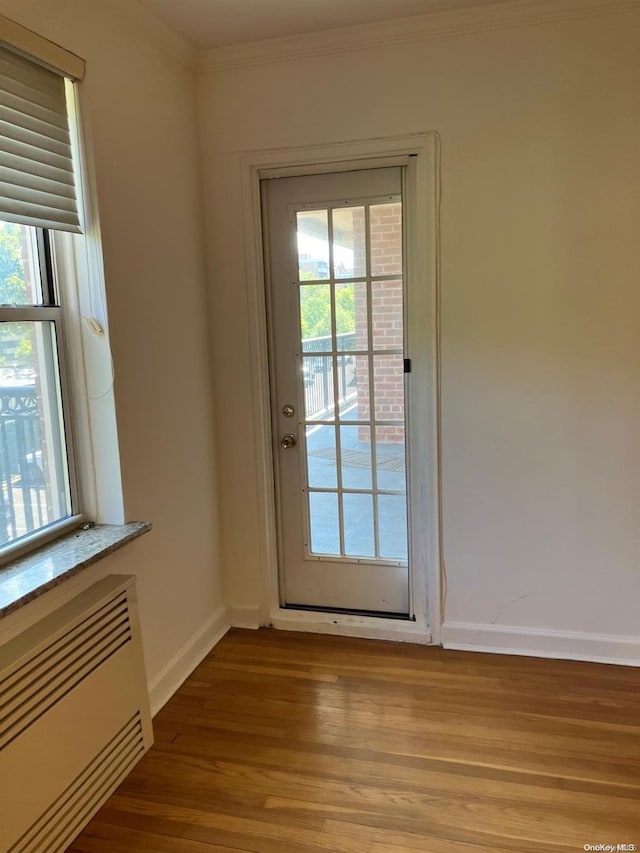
[422, 200]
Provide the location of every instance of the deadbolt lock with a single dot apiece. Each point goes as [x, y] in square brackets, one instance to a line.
[288, 411]
[287, 441]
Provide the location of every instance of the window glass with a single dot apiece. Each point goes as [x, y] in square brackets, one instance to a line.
[20, 279]
[34, 473]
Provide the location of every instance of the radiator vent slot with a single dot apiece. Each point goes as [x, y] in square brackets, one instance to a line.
[64, 819]
[33, 688]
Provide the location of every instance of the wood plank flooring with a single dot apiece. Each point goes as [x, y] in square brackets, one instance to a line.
[283, 742]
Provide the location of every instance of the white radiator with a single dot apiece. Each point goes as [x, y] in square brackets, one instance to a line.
[74, 716]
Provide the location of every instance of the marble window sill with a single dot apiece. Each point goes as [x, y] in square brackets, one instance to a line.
[43, 569]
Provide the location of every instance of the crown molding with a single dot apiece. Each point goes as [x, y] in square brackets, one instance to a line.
[513, 13]
[166, 40]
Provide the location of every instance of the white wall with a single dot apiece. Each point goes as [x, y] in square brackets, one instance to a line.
[140, 105]
[540, 306]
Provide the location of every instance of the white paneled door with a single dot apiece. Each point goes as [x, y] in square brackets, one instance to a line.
[339, 377]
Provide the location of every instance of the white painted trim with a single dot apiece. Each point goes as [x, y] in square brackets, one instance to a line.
[90, 366]
[538, 642]
[359, 154]
[345, 625]
[443, 24]
[186, 659]
[260, 387]
[422, 200]
[242, 616]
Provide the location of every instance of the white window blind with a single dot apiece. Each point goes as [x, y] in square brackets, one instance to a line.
[36, 166]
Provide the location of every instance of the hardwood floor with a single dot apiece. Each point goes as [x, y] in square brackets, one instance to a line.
[285, 742]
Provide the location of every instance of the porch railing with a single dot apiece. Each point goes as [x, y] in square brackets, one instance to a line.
[319, 376]
[22, 493]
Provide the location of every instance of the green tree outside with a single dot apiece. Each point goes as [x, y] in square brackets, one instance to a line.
[15, 344]
[315, 310]
[13, 284]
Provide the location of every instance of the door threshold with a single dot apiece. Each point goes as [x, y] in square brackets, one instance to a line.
[345, 611]
[349, 624]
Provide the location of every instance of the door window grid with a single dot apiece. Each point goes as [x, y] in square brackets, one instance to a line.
[340, 350]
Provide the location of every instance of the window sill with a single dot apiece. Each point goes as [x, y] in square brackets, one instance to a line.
[31, 576]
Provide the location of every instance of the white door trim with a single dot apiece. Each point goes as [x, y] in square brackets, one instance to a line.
[423, 199]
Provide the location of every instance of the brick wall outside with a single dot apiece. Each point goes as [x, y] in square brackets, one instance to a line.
[387, 323]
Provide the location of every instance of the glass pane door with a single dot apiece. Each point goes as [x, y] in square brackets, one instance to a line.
[335, 251]
[350, 297]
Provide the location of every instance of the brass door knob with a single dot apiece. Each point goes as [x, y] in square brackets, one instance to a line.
[287, 441]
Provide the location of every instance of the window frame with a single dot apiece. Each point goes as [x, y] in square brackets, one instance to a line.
[85, 366]
[50, 310]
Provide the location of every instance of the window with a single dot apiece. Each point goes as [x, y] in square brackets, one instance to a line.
[37, 490]
[50, 282]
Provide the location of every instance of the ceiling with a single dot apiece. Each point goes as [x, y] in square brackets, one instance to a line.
[215, 23]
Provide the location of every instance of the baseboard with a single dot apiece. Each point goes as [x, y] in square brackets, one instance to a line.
[182, 664]
[244, 617]
[533, 642]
